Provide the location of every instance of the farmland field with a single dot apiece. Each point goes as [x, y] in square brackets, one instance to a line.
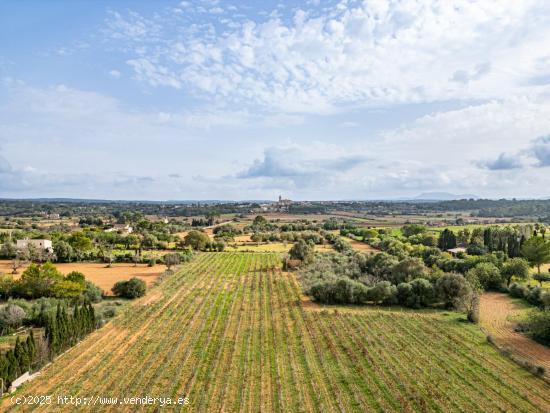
[231, 331]
[499, 315]
[359, 246]
[99, 274]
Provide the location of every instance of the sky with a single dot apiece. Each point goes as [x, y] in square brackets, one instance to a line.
[313, 100]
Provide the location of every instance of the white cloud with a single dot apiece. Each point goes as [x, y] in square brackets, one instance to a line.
[115, 73]
[366, 54]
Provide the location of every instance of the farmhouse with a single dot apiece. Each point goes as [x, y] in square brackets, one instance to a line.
[455, 251]
[41, 244]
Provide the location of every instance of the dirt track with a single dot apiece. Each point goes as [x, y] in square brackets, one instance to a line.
[497, 315]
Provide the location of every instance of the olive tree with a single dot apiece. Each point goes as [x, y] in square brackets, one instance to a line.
[516, 267]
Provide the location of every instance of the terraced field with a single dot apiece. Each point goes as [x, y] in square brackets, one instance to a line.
[231, 332]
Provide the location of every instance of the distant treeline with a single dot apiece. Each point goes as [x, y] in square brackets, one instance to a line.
[502, 208]
[83, 208]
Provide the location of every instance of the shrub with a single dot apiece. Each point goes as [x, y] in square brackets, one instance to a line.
[534, 295]
[340, 291]
[11, 317]
[518, 290]
[404, 290]
[152, 262]
[487, 274]
[475, 249]
[407, 270]
[539, 326]
[93, 293]
[302, 251]
[197, 240]
[109, 311]
[451, 288]
[133, 288]
[171, 260]
[541, 278]
[383, 293]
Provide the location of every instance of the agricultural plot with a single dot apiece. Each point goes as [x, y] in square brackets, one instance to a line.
[359, 246]
[499, 315]
[230, 331]
[101, 275]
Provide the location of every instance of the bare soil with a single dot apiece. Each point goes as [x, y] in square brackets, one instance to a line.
[499, 315]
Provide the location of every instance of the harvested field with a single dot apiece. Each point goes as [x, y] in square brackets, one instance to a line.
[359, 246]
[230, 332]
[498, 316]
[100, 275]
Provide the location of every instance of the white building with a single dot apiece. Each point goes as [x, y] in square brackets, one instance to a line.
[43, 244]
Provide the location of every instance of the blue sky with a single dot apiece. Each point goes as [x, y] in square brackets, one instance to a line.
[249, 100]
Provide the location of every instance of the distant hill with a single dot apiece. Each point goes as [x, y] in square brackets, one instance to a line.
[443, 196]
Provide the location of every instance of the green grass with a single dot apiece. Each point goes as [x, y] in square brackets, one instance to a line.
[230, 331]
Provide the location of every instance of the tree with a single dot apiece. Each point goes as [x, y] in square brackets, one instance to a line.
[486, 274]
[15, 265]
[470, 305]
[8, 250]
[537, 251]
[407, 270]
[259, 222]
[447, 240]
[92, 293]
[196, 240]
[416, 294]
[515, 267]
[539, 326]
[171, 260]
[7, 284]
[382, 292]
[11, 317]
[67, 289]
[302, 251]
[541, 278]
[451, 289]
[413, 229]
[107, 253]
[63, 251]
[133, 288]
[80, 243]
[37, 280]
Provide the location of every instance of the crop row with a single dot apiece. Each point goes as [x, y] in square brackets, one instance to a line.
[231, 331]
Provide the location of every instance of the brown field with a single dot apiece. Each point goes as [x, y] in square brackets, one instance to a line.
[359, 246]
[243, 238]
[498, 316]
[99, 274]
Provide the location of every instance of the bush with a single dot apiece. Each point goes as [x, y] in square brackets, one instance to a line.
[109, 311]
[451, 288]
[11, 317]
[302, 251]
[152, 262]
[171, 259]
[133, 288]
[340, 291]
[539, 326]
[383, 293]
[407, 270]
[518, 290]
[475, 249]
[534, 295]
[487, 274]
[93, 293]
[421, 294]
[541, 278]
[404, 291]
